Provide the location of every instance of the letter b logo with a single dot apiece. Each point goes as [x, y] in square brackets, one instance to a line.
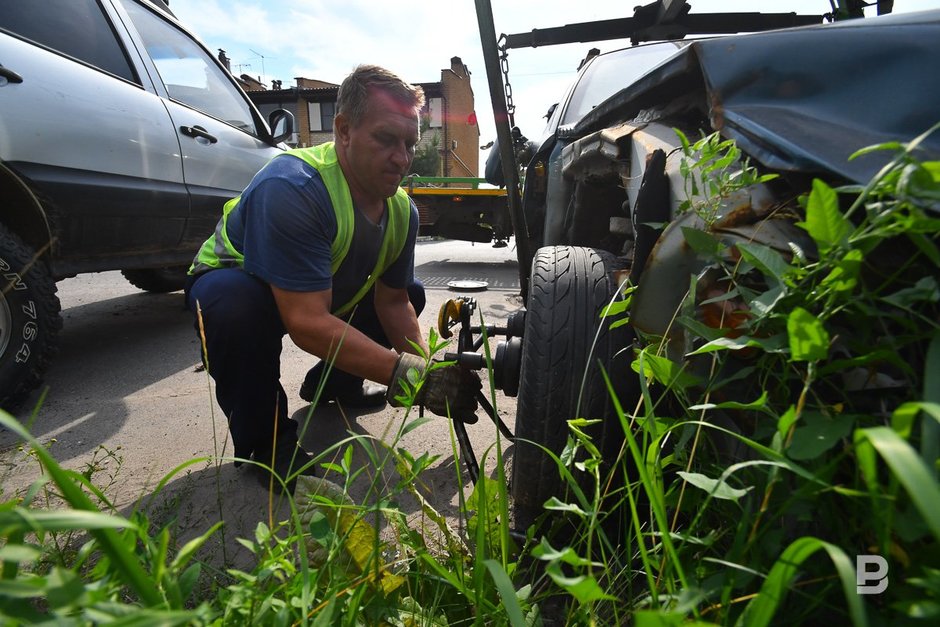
[871, 580]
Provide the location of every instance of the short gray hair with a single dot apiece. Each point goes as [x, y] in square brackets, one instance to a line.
[353, 97]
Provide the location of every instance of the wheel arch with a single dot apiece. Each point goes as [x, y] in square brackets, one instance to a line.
[22, 212]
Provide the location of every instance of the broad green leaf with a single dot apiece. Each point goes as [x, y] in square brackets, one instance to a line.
[764, 258]
[705, 244]
[817, 434]
[933, 167]
[764, 304]
[560, 506]
[925, 290]
[700, 329]
[809, 340]
[714, 487]
[64, 588]
[615, 308]
[24, 587]
[844, 276]
[824, 222]
[584, 588]
[786, 420]
[665, 371]
[926, 246]
[772, 344]
[19, 552]
[760, 404]
[547, 553]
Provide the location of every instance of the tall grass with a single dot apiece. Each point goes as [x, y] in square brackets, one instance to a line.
[754, 469]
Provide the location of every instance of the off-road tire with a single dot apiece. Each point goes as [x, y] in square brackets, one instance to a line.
[29, 319]
[561, 377]
[157, 280]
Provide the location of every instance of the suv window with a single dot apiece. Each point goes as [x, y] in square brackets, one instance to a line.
[189, 73]
[77, 28]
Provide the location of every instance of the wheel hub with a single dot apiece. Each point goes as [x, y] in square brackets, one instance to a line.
[507, 359]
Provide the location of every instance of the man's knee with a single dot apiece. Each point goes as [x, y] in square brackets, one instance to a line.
[417, 296]
[232, 302]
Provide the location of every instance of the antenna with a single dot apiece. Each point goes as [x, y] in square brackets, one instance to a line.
[239, 66]
[263, 73]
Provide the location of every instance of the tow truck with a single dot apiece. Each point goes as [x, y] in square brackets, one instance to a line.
[462, 208]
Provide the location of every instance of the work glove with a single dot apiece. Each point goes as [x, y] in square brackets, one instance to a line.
[445, 387]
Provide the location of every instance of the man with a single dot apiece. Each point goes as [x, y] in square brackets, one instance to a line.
[320, 246]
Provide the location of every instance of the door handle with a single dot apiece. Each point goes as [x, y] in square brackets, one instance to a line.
[10, 75]
[198, 131]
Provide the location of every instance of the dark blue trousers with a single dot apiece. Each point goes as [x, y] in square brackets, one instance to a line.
[243, 336]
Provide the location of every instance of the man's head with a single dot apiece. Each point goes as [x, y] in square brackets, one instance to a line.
[353, 97]
[376, 129]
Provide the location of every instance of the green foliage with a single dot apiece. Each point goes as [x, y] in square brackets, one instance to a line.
[839, 454]
[713, 170]
[427, 161]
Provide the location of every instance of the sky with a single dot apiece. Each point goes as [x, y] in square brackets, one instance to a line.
[285, 39]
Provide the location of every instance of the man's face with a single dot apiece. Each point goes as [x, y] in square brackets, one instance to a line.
[380, 149]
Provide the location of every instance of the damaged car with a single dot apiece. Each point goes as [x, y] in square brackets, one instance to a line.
[614, 208]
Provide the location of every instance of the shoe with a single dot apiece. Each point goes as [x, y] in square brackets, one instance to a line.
[287, 460]
[308, 389]
[367, 396]
[356, 395]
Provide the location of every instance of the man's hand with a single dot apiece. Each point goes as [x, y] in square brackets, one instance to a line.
[445, 387]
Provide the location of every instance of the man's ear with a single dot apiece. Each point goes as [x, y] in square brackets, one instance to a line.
[341, 128]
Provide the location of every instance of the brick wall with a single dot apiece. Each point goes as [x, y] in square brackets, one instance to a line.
[461, 132]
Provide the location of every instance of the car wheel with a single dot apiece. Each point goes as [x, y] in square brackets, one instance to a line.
[158, 280]
[564, 342]
[29, 319]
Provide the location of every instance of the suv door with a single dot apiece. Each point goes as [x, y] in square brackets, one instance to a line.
[80, 124]
[223, 139]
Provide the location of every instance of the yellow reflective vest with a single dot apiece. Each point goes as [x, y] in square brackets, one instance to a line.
[218, 251]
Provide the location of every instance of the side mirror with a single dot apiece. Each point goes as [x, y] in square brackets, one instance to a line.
[493, 170]
[281, 122]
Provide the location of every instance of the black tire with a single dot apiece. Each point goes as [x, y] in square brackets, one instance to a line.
[157, 280]
[29, 319]
[561, 378]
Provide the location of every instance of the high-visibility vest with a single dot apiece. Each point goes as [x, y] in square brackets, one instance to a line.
[323, 159]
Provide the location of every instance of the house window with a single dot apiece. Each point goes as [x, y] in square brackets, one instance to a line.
[320, 115]
[436, 112]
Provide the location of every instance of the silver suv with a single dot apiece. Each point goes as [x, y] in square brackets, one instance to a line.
[121, 136]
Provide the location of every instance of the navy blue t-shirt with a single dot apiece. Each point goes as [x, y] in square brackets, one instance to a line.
[284, 225]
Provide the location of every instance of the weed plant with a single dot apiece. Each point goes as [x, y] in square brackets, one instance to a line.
[798, 431]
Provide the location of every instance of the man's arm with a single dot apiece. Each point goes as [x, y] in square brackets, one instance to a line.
[313, 328]
[398, 318]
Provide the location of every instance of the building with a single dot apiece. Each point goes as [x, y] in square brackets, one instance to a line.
[449, 124]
